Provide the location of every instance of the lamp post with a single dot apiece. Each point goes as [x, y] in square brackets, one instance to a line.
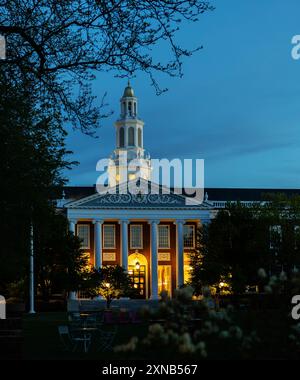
[31, 274]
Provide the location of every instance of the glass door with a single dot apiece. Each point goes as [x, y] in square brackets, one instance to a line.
[138, 278]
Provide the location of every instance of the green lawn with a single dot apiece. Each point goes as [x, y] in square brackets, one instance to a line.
[41, 338]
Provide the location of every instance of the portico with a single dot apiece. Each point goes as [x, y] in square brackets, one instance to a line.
[163, 232]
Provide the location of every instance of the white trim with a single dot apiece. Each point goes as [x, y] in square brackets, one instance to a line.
[89, 234]
[194, 236]
[169, 236]
[142, 240]
[79, 203]
[139, 215]
[103, 234]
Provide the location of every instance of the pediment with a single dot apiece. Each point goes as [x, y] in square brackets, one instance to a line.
[156, 199]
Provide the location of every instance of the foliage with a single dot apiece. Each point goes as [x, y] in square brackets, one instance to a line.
[188, 329]
[16, 290]
[236, 244]
[191, 329]
[110, 282]
[32, 156]
[59, 45]
[60, 262]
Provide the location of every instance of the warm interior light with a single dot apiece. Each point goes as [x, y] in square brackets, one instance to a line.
[221, 284]
[107, 284]
[137, 266]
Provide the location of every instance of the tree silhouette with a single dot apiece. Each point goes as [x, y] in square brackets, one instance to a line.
[59, 45]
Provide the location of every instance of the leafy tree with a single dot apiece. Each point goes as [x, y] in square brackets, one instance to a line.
[111, 282]
[237, 243]
[32, 156]
[60, 262]
[232, 249]
[58, 45]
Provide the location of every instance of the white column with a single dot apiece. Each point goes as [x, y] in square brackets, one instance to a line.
[98, 243]
[154, 261]
[72, 224]
[124, 235]
[180, 253]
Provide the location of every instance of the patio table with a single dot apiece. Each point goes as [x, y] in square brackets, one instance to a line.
[86, 335]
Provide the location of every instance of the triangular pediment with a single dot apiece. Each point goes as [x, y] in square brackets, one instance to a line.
[156, 197]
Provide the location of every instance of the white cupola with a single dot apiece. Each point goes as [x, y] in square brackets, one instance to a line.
[129, 140]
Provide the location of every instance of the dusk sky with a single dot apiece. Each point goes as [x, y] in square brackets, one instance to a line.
[237, 106]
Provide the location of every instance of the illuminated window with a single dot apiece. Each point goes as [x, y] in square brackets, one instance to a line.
[83, 232]
[163, 236]
[187, 268]
[109, 238]
[136, 236]
[189, 236]
[164, 279]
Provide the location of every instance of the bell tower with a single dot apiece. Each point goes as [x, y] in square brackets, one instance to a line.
[129, 153]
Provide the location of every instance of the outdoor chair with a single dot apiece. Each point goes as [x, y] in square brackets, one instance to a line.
[71, 340]
[104, 339]
[91, 320]
[65, 338]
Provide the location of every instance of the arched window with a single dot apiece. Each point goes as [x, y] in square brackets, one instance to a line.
[131, 136]
[135, 108]
[140, 137]
[130, 108]
[124, 108]
[121, 138]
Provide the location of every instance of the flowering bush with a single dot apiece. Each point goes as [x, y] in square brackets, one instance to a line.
[182, 327]
[190, 328]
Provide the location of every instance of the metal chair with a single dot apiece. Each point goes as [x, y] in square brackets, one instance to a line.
[104, 339]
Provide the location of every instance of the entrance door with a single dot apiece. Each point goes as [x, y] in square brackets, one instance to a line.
[138, 277]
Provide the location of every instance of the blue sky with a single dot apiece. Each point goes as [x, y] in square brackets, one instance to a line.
[237, 106]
